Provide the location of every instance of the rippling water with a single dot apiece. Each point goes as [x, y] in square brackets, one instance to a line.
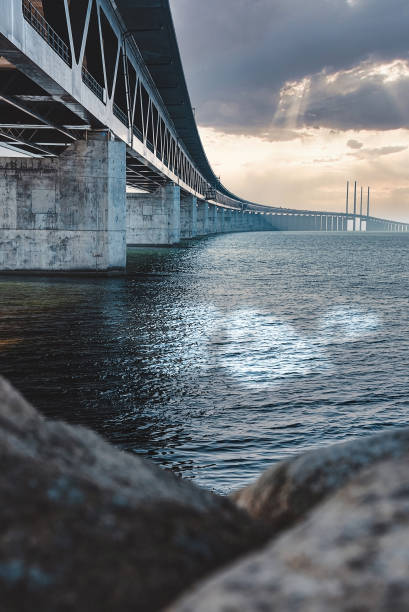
[227, 354]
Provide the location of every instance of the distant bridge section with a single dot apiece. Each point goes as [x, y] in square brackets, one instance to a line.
[94, 93]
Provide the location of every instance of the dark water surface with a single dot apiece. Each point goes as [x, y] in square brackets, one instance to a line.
[224, 356]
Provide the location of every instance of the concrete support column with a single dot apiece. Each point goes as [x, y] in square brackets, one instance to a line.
[218, 223]
[246, 221]
[222, 212]
[226, 220]
[212, 219]
[188, 216]
[65, 214]
[202, 218]
[233, 221]
[154, 218]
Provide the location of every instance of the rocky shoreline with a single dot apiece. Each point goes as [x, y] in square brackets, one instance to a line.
[86, 527]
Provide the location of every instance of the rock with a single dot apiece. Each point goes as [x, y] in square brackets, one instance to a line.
[288, 490]
[350, 554]
[84, 526]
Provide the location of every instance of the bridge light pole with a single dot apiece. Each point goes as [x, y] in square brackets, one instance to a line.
[360, 214]
[355, 206]
[367, 207]
[347, 200]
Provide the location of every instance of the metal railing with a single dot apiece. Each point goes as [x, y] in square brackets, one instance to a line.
[40, 25]
[93, 84]
[119, 113]
[137, 132]
[210, 193]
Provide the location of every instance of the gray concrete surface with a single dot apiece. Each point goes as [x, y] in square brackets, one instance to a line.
[65, 214]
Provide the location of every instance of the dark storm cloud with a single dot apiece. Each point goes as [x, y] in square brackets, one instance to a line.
[239, 54]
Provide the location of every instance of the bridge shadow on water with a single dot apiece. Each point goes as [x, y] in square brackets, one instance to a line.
[223, 355]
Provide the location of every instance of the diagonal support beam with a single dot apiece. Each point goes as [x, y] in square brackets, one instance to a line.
[26, 109]
[26, 143]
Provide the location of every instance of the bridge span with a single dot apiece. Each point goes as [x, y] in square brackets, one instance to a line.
[94, 93]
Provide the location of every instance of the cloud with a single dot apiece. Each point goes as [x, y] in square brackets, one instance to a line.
[354, 144]
[377, 152]
[262, 66]
[312, 172]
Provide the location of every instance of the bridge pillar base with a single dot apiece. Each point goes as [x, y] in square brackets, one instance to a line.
[154, 218]
[188, 216]
[65, 214]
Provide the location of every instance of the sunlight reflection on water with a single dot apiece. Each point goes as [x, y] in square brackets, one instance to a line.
[259, 349]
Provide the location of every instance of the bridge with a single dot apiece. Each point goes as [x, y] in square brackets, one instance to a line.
[93, 94]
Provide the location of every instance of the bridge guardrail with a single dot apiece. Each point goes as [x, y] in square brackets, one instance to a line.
[119, 114]
[37, 21]
[93, 85]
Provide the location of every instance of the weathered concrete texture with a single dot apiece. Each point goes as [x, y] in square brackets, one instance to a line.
[212, 219]
[188, 216]
[202, 218]
[220, 219]
[85, 527]
[154, 218]
[67, 213]
[351, 554]
[228, 224]
[288, 490]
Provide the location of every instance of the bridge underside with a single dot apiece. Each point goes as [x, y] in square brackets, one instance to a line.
[41, 122]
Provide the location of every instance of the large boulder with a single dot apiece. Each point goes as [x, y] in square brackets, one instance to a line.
[350, 554]
[84, 526]
[287, 491]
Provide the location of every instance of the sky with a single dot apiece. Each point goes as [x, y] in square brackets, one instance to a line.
[294, 98]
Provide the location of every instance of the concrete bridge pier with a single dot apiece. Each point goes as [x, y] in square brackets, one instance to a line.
[247, 221]
[250, 221]
[233, 221]
[219, 219]
[212, 219]
[154, 218]
[65, 214]
[228, 220]
[222, 212]
[239, 221]
[261, 222]
[202, 218]
[188, 216]
[234, 225]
